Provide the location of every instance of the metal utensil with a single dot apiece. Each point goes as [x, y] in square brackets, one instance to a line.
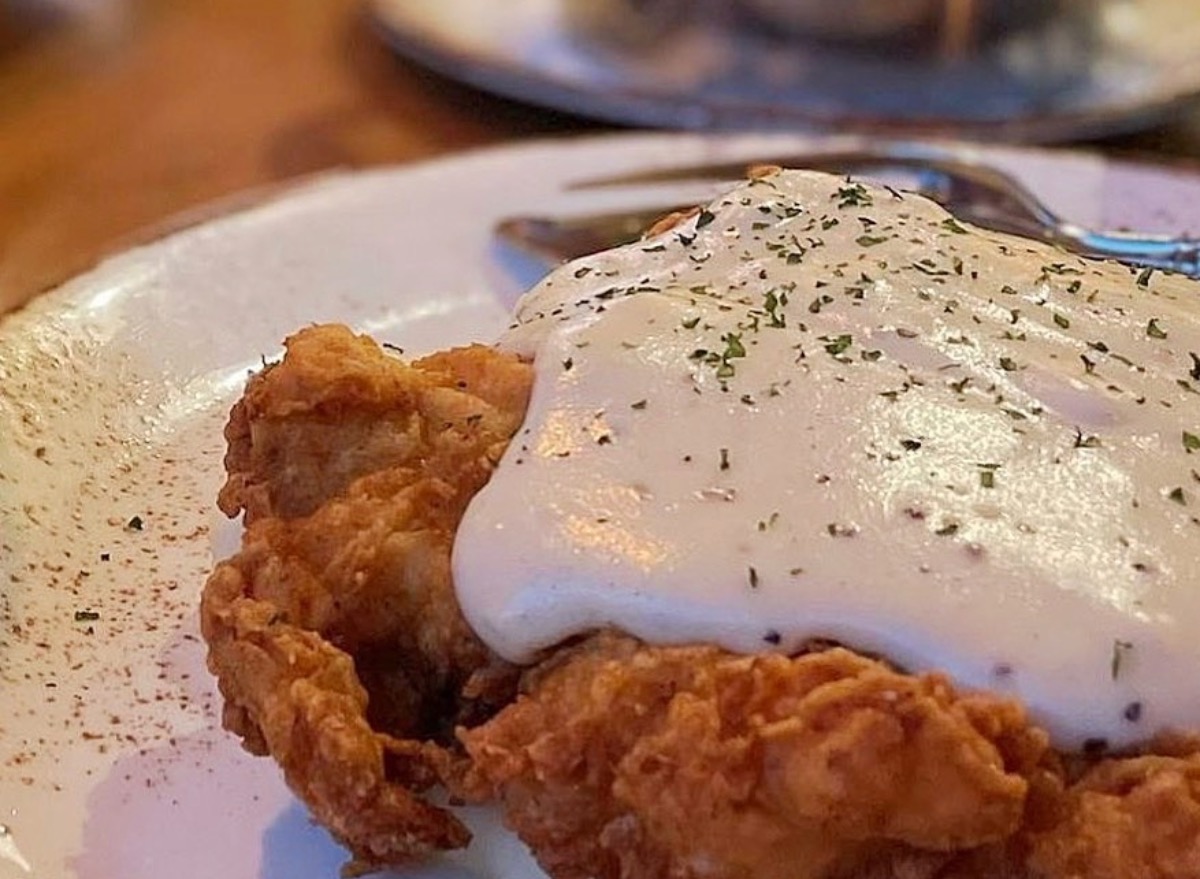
[972, 191]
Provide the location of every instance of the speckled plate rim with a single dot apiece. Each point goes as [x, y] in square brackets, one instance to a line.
[113, 391]
[495, 70]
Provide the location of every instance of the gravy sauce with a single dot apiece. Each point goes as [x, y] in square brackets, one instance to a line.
[821, 409]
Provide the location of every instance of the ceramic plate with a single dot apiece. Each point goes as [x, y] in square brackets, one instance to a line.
[1111, 65]
[113, 393]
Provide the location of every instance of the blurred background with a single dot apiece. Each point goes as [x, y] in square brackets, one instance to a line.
[118, 114]
[121, 117]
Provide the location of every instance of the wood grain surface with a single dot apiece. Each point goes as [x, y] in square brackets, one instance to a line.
[112, 125]
[116, 122]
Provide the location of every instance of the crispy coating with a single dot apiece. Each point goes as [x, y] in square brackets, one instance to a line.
[623, 760]
[334, 632]
[337, 407]
[340, 651]
[1126, 819]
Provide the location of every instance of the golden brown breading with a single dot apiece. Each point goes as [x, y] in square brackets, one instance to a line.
[334, 632]
[1136, 818]
[296, 697]
[337, 407]
[629, 761]
[341, 651]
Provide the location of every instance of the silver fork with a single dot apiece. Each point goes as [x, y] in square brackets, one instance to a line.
[970, 190]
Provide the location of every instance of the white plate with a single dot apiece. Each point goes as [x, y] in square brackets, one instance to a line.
[1108, 65]
[113, 392]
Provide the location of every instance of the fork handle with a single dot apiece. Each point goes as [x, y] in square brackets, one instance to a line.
[1170, 254]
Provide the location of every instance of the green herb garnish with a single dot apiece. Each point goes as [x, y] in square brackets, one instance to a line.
[869, 240]
[1119, 651]
[852, 196]
[838, 344]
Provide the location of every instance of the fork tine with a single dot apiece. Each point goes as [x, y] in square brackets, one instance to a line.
[832, 160]
[995, 198]
[556, 239]
[972, 190]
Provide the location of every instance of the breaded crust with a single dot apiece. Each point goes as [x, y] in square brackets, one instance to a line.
[340, 651]
[624, 760]
[334, 632]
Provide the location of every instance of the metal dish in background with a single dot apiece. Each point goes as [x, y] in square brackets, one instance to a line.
[1095, 67]
[941, 26]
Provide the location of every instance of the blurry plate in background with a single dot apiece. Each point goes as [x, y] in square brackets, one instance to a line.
[1100, 67]
[113, 393]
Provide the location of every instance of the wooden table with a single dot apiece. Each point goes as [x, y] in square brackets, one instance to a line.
[112, 123]
[108, 127]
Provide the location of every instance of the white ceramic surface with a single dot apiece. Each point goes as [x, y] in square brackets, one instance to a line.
[1103, 66]
[113, 392]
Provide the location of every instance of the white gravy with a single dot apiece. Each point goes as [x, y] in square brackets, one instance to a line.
[822, 410]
